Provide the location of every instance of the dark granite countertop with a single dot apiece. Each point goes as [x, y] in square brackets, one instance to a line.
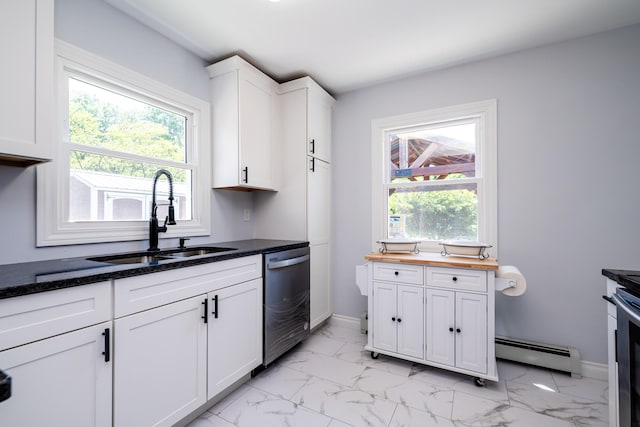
[40, 276]
[630, 279]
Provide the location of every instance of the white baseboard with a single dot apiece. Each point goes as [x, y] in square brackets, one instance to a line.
[345, 321]
[598, 371]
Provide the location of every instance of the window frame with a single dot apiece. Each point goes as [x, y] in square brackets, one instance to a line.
[485, 112]
[52, 210]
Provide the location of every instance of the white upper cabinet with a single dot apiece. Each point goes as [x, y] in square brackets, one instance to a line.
[245, 114]
[319, 110]
[26, 83]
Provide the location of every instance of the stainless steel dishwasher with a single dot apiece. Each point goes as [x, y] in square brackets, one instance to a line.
[286, 301]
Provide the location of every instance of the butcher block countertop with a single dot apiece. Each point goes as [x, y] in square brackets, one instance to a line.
[435, 259]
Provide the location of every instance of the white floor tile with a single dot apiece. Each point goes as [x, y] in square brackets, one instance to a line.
[345, 404]
[257, 408]
[330, 381]
[479, 412]
[319, 365]
[280, 381]
[431, 399]
[588, 388]
[578, 410]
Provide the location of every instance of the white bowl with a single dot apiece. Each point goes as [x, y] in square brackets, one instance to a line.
[399, 246]
[465, 248]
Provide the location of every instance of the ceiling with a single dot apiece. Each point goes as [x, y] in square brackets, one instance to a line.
[350, 44]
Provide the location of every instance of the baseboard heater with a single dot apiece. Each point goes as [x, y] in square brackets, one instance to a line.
[560, 358]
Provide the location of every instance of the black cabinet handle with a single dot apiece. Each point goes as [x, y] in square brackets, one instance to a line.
[246, 174]
[393, 319]
[450, 329]
[455, 279]
[313, 146]
[215, 307]
[399, 320]
[458, 330]
[313, 164]
[206, 310]
[396, 273]
[107, 347]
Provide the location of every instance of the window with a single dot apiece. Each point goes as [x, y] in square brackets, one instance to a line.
[116, 128]
[435, 176]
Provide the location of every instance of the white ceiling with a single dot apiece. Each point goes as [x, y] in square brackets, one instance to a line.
[350, 44]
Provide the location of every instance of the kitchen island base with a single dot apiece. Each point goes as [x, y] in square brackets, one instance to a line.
[435, 311]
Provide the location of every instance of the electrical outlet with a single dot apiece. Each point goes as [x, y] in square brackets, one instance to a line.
[247, 214]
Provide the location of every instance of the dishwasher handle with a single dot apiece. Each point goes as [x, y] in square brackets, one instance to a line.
[287, 262]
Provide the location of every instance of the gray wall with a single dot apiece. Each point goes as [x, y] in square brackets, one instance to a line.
[568, 174]
[99, 28]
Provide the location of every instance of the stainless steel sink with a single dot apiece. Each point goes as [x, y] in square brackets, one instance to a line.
[189, 252]
[154, 258]
[130, 259]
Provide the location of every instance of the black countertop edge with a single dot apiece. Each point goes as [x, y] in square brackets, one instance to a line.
[42, 276]
[628, 278]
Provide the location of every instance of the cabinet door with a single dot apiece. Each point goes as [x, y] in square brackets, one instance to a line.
[320, 292]
[318, 201]
[160, 368]
[410, 321]
[256, 110]
[384, 315]
[26, 41]
[440, 324]
[235, 334]
[319, 109]
[59, 381]
[471, 341]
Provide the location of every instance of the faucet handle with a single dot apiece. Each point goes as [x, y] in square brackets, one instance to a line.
[182, 240]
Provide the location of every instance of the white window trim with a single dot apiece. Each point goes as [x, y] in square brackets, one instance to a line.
[487, 155]
[53, 228]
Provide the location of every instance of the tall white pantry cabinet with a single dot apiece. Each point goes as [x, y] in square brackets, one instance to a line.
[300, 210]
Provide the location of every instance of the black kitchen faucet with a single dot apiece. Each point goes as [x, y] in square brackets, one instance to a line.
[154, 229]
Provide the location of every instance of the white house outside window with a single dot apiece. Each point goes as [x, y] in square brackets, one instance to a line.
[435, 176]
[116, 129]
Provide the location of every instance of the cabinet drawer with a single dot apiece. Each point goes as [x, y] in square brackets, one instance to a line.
[34, 317]
[401, 273]
[457, 279]
[134, 294]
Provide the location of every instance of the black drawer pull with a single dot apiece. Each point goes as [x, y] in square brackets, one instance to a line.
[450, 329]
[455, 279]
[458, 330]
[396, 273]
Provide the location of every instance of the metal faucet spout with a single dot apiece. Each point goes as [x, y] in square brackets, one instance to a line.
[154, 228]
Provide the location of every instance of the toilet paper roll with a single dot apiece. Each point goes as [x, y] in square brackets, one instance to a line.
[512, 281]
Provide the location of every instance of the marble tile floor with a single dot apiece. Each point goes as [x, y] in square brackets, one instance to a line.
[330, 381]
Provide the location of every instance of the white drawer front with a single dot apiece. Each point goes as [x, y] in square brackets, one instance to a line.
[401, 273]
[37, 316]
[134, 294]
[457, 279]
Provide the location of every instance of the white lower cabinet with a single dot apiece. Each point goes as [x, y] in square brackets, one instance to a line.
[234, 334]
[398, 320]
[64, 380]
[457, 329]
[160, 364]
[183, 337]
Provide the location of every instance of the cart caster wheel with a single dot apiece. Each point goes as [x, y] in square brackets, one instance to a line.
[374, 355]
[479, 382]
